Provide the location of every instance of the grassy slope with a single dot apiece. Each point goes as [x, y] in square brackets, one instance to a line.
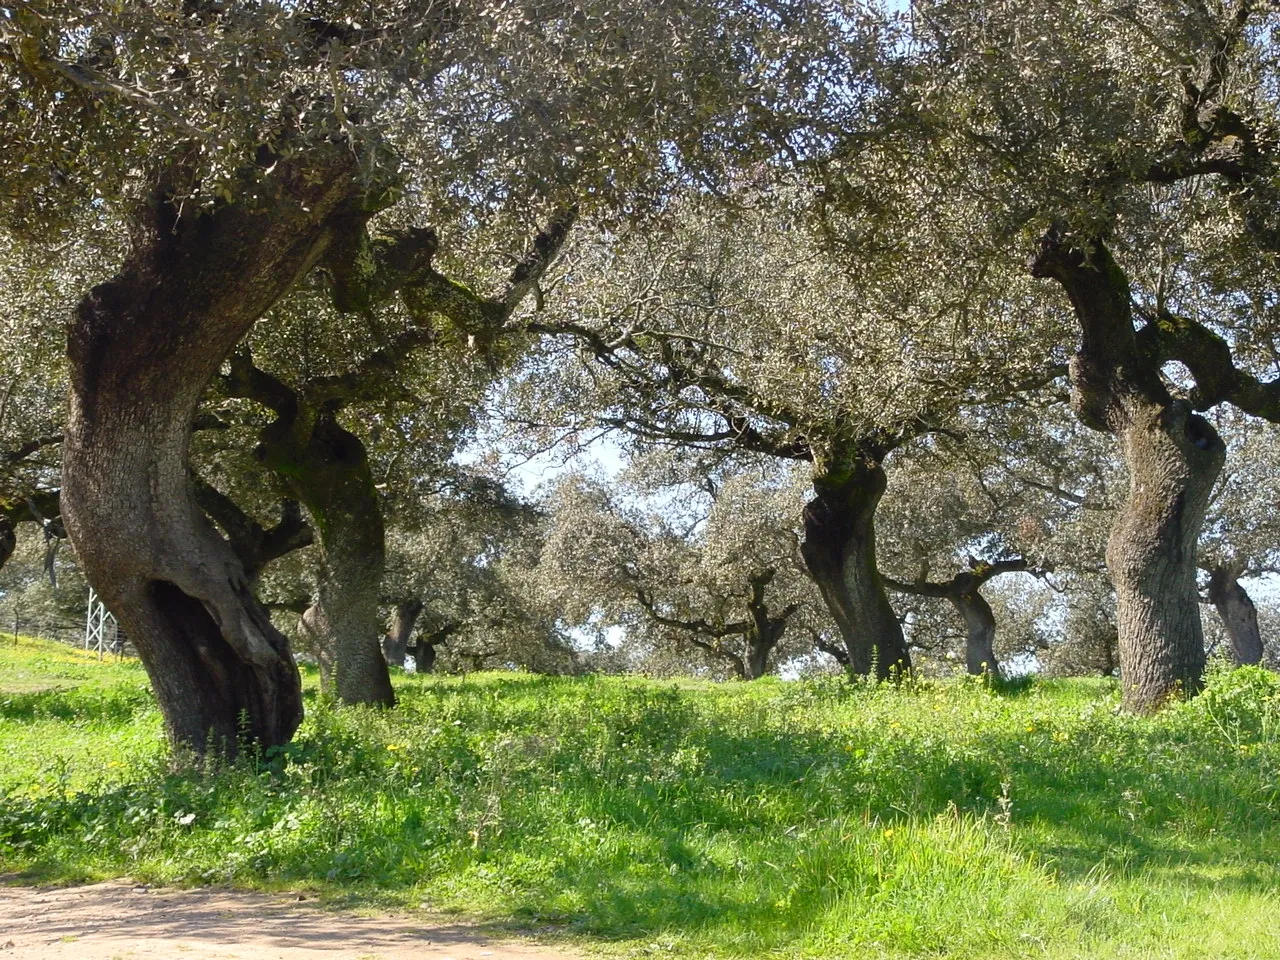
[739, 819]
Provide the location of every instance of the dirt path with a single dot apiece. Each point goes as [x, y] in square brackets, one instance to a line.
[118, 921]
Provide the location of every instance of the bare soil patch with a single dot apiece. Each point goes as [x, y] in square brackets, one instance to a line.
[120, 921]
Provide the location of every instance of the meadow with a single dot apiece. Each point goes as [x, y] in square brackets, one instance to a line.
[817, 818]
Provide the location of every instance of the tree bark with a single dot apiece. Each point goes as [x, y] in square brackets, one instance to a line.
[980, 637]
[1173, 457]
[1239, 615]
[327, 468]
[1151, 552]
[142, 349]
[839, 550]
[395, 644]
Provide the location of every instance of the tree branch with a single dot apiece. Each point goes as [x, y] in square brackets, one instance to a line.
[698, 626]
[1208, 357]
[22, 452]
[253, 544]
[968, 581]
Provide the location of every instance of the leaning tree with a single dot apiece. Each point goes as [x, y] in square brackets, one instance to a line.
[1129, 156]
[245, 147]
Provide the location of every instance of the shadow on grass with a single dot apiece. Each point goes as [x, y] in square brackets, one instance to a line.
[631, 811]
[85, 704]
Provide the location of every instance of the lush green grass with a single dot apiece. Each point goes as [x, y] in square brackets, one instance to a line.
[815, 818]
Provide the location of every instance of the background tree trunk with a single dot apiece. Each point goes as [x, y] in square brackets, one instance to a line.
[980, 638]
[330, 474]
[8, 541]
[1239, 615]
[840, 551]
[326, 468]
[760, 645]
[395, 646]
[424, 652]
[424, 656]
[142, 349]
[313, 641]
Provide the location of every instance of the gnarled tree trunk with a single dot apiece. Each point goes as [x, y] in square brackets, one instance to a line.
[839, 550]
[1173, 457]
[395, 645]
[142, 348]
[1239, 615]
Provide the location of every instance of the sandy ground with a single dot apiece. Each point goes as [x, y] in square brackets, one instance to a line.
[118, 921]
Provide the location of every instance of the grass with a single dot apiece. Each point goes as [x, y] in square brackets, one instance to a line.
[792, 819]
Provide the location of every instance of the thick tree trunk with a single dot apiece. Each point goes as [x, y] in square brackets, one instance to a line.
[1173, 457]
[980, 639]
[395, 645]
[142, 348]
[1239, 615]
[840, 551]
